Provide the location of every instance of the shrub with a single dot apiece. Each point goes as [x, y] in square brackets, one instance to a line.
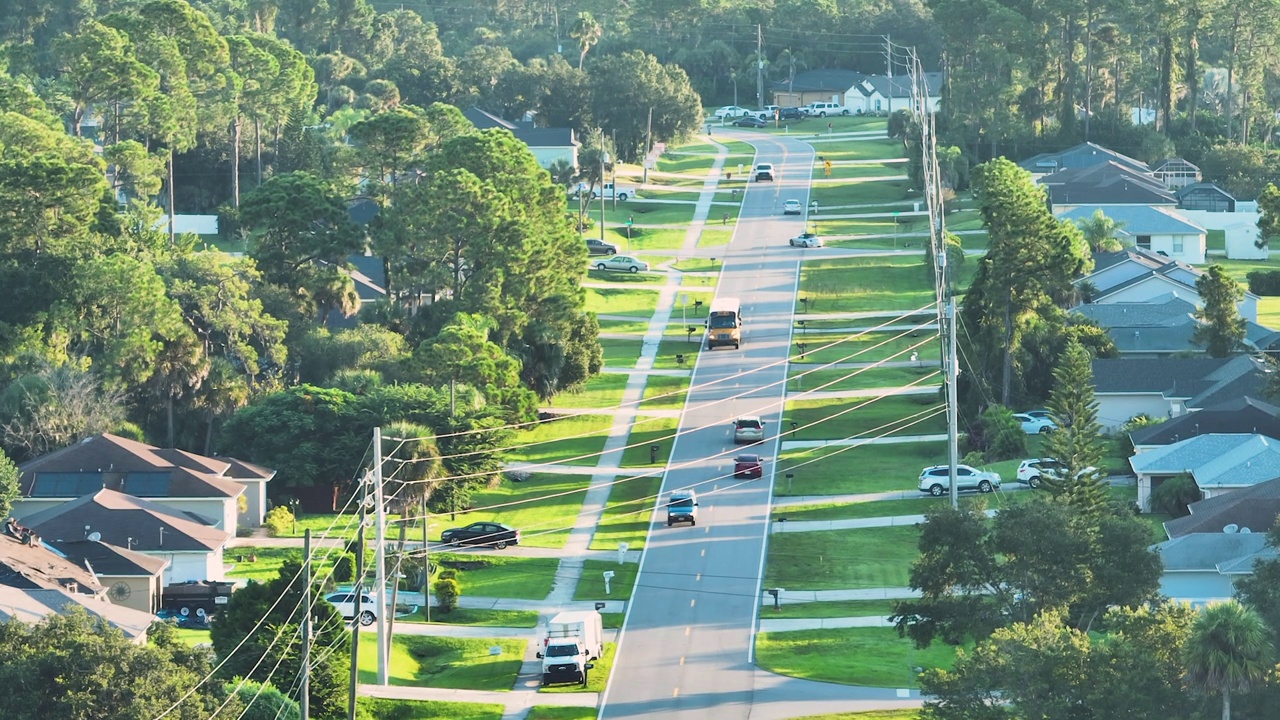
[279, 521]
[1264, 282]
[1174, 495]
[447, 592]
[1003, 433]
[345, 568]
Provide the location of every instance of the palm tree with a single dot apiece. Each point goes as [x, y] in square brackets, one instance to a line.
[1100, 231]
[791, 62]
[1227, 650]
[587, 31]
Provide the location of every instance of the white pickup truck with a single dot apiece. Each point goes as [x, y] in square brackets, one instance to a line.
[572, 641]
[607, 190]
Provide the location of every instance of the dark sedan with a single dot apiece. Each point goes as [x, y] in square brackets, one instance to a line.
[747, 466]
[791, 113]
[482, 533]
[750, 121]
[599, 247]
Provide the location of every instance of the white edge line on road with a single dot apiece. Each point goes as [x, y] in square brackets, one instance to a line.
[657, 501]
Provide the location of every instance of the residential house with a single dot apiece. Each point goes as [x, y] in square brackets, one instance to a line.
[224, 492]
[1251, 510]
[1106, 183]
[1136, 275]
[1202, 568]
[192, 547]
[131, 578]
[1079, 156]
[1170, 387]
[858, 92]
[1175, 173]
[1157, 229]
[37, 581]
[549, 145]
[1163, 327]
[1218, 463]
[1246, 415]
[1205, 196]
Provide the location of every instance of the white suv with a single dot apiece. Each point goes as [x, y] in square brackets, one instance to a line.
[763, 171]
[1030, 472]
[823, 109]
[935, 479]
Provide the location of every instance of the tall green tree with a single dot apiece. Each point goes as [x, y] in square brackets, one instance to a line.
[623, 87]
[388, 142]
[587, 31]
[1228, 651]
[1222, 329]
[9, 488]
[1077, 444]
[101, 70]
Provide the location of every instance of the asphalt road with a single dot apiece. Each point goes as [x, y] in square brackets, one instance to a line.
[686, 646]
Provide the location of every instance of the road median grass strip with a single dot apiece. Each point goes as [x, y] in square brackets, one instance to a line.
[874, 657]
[494, 576]
[392, 709]
[444, 662]
[856, 470]
[541, 506]
[591, 586]
[596, 677]
[842, 559]
[553, 441]
[626, 517]
[839, 418]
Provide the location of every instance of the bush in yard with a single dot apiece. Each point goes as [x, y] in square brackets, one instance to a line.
[1174, 495]
[447, 592]
[279, 521]
[1003, 434]
[1264, 282]
[345, 568]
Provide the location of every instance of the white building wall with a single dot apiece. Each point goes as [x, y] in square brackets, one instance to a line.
[218, 512]
[185, 566]
[1193, 247]
[255, 492]
[1115, 410]
[1239, 228]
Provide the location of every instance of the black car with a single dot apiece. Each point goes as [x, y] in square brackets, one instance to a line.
[482, 533]
[791, 113]
[750, 121]
[597, 247]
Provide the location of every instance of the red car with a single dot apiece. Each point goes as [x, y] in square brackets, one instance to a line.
[747, 466]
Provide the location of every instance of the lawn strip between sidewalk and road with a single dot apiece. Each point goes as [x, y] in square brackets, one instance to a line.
[389, 709]
[871, 417]
[626, 518]
[842, 559]
[881, 608]
[445, 662]
[874, 657]
[855, 470]
[494, 576]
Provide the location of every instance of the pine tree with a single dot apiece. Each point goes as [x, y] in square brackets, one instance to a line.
[1222, 329]
[1077, 444]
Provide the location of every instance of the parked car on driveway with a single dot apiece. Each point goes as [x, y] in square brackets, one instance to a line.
[620, 263]
[751, 122]
[763, 171]
[482, 533]
[344, 601]
[935, 479]
[791, 113]
[1031, 472]
[747, 466]
[792, 207]
[599, 247]
[1034, 425]
[806, 240]
[732, 111]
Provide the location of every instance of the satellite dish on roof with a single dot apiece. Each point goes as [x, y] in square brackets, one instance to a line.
[94, 537]
[1230, 528]
[1245, 531]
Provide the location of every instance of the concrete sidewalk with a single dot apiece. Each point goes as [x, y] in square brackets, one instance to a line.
[801, 500]
[538, 606]
[790, 624]
[792, 597]
[793, 526]
[521, 700]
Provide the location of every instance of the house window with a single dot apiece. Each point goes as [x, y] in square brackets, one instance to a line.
[877, 104]
[1177, 244]
[1144, 242]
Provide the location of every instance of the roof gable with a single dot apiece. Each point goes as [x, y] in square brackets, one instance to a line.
[1137, 219]
[821, 79]
[484, 120]
[129, 522]
[1254, 508]
[28, 563]
[1215, 461]
[1082, 155]
[1238, 415]
[1208, 551]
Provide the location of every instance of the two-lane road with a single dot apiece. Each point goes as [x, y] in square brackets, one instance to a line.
[687, 641]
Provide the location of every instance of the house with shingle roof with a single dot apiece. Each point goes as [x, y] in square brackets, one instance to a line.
[1201, 568]
[1170, 387]
[1136, 275]
[1155, 229]
[1108, 183]
[1163, 327]
[547, 144]
[1079, 156]
[1218, 463]
[192, 546]
[1251, 510]
[210, 487]
[1246, 415]
[1176, 172]
[132, 579]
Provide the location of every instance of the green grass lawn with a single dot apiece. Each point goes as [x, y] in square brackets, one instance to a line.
[591, 586]
[596, 677]
[864, 469]
[602, 391]
[673, 346]
[501, 577]
[697, 164]
[860, 171]
[263, 563]
[444, 662]
[664, 392]
[623, 279]
[477, 616]
[622, 301]
[855, 191]
[552, 712]
[808, 127]
[626, 517]
[874, 657]
[908, 714]
[869, 418]
[575, 440]
[637, 327]
[823, 348]
[877, 149]
[323, 524]
[1215, 240]
[859, 379]
[876, 283]
[897, 508]
[834, 609]
[710, 237]
[543, 507]
[1269, 311]
[388, 709]
[642, 213]
[192, 637]
[638, 241]
[842, 559]
[655, 431]
[621, 353]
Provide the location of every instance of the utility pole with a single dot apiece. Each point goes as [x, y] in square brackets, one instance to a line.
[888, 62]
[648, 138]
[395, 582]
[759, 68]
[613, 146]
[426, 560]
[356, 592]
[304, 688]
[615, 190]
[380, 558]
[953, 444]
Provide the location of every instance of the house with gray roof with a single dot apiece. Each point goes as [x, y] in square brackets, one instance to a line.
[1153, 228]
[132, 579]
[548, 145]
[1106, 183]
[1218, 463]
[1079, 156]
[1163, 327]
[1176, 172]
[1251, 510]
[1242, 415]
[1206, 196]
[1134, 275]
[1202, 568]
[1170, 387]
